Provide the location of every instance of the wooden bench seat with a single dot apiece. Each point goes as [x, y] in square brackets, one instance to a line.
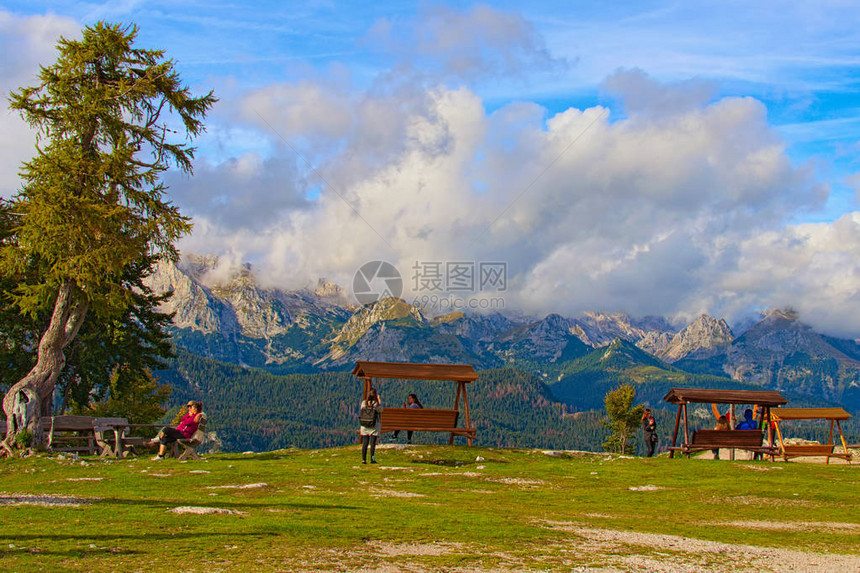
[741, 439]
[189, 445]
[702, 440]
[423, 419]
[813, 450]
[72, 434]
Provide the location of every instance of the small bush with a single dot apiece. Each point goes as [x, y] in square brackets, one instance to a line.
[23, 439]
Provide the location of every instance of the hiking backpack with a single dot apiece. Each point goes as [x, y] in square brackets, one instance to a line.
[367, 416]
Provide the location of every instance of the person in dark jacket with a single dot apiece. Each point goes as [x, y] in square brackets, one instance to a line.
[369, 434]
[748, 423]
[649, 429]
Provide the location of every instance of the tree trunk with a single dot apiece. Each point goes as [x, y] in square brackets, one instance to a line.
[31, 398]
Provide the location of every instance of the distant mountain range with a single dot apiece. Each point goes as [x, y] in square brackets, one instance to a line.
[237, 321]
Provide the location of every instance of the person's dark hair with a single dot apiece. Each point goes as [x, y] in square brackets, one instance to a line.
[372, 396]
[646, 413]
[415, 399]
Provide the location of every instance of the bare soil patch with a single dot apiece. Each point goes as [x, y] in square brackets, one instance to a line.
[633, 551]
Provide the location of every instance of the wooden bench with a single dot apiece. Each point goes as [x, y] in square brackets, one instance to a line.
[72, 434]
[702, 440]
[108, 433]
[424, 420]
[113, 439]
[812, 450]
[189, 445]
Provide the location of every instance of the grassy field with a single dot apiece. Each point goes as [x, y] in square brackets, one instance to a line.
[427, 508]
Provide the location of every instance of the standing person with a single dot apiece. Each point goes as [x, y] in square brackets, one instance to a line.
[370, 418]
[722, 424]
[649, 429]
[186, 428]
[411, 402]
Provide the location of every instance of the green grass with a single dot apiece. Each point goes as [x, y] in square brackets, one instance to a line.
[435, 507]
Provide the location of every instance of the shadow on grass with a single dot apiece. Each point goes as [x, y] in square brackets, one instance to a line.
[103, 537]
[449, 463]
[97, 542]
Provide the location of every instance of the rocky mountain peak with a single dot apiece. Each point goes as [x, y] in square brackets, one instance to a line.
[328, 289]
[705, 336]
[598, 329]
[382, 310]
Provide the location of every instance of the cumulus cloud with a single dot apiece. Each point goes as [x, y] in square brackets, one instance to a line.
[658, 213]
[478, 42]
[668, 200]
[811, 267]
[245, 192]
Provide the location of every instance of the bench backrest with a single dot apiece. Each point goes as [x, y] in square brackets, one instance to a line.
[808, 449]
[71, 423]
[109, 422]
[418, 419]
[727, 438]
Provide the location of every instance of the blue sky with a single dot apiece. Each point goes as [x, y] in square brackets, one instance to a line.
[648, 157]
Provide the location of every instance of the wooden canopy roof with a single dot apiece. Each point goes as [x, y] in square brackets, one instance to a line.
[412, 371]
[780, 414]
[706, 396]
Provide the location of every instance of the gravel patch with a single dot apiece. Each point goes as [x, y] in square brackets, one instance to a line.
[204, 510]
[411, 549]
[393, 493]
[517, 481]
[645, 488]
[245, 486]
[45, 500]
[674, 554]
[833, 526]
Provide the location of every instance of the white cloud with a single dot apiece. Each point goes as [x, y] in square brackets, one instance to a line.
[670, 211]
[813, 268]
[25, 42]
[478, 42]
[682, 206]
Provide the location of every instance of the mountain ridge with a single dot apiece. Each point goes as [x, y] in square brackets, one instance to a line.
[228, 316]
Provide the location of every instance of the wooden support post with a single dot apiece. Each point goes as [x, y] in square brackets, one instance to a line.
[732, 427]
[460, 388]
[686, 427]
[466, 411]
[766, 416]
[779, 435]
[675, 433]
[844, 444]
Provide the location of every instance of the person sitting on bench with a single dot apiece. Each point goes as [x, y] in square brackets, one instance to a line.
[748, 423]
[411, 402]
[186, 428]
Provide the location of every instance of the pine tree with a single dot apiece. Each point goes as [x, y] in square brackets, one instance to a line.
[92, 202]
[624, 419]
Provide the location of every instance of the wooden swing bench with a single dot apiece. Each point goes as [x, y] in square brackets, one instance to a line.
[834, 415]
[804, 450]
[423, 420]
[702, 440]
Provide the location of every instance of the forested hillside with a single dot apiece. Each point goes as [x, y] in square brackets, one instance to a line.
[251, 409]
